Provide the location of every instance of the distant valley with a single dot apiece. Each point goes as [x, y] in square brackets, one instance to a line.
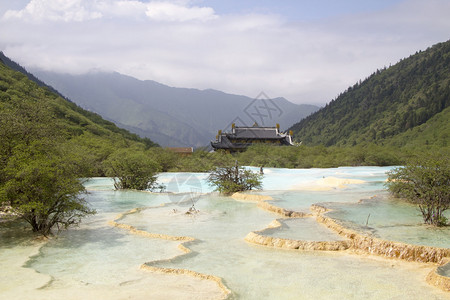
[171, 116]
[406, 104]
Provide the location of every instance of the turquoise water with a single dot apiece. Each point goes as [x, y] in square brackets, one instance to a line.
[254, 272]
[302, 200]
[305, 229]
[97, 253]
[444, 270]
[97, 261]
[288, 179]
[391, 219]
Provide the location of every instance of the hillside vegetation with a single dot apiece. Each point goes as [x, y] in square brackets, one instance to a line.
[406, 105]
[30, 114]
[16, 67]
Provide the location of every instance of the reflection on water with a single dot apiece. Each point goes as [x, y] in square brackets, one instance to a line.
[97, 260]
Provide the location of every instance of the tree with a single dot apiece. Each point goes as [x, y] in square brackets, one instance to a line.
[132, 169]
[38, 172]
[232, 179]
[43, 188]
[424, 181]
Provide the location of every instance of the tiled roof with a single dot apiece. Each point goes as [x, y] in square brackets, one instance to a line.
[256, 133]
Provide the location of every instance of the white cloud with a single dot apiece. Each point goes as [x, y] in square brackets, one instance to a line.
[122, 8]
[190, 46]
[83, 10]
[167, 11]
[54, 10]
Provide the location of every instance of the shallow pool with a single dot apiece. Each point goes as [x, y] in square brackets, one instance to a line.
[98, 260]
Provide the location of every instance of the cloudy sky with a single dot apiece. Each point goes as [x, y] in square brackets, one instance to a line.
[305, 51]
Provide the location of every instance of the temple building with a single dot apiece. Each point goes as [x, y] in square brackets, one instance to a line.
[242, 137]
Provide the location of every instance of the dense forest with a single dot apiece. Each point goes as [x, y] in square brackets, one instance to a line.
[404, 105]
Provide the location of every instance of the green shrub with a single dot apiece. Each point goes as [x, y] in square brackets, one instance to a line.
[232, 179]
[132, 169]
[425, 181]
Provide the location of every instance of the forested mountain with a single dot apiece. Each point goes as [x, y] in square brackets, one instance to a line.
[16, 67]
[403, 105]
[30, 115]
[171, 116]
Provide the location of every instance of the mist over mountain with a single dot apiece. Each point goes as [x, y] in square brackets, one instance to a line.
[16, 67]
[167, 115]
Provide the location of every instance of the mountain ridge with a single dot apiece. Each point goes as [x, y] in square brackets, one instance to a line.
[387, 104]
[171, 116]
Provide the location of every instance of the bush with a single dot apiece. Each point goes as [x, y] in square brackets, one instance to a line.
[232, 179]
[132, 169]
[38, 171]
[43, 189]
[424, 181]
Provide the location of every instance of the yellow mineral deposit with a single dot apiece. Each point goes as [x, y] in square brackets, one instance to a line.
[150, 266]
[438, 280]
[354, 240]
[259, 239]
[226, 292]
[166, 282]
[263, 204]
[250, 197]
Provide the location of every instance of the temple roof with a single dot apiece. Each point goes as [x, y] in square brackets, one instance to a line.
[242, 137]
[256, 132]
